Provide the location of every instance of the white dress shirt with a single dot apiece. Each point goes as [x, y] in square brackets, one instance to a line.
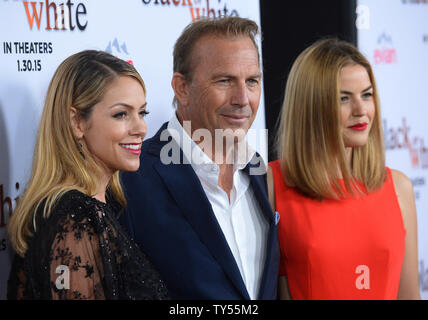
[241, 219]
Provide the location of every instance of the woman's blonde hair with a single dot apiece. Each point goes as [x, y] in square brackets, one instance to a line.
[60, 163]
[310, 142]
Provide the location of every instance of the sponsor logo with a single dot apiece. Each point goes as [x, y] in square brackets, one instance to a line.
[198, 8]
[386, 53]
[56, 16]
[119, 50]
[363, 17]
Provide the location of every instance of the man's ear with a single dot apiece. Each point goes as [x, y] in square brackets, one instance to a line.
[181, 88]
[77, 125]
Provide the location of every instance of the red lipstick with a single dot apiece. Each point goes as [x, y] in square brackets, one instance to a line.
[359, 126]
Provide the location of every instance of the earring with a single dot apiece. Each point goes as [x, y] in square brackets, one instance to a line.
[81, 150]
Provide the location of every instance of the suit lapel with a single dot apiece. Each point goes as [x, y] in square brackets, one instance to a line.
[186, 189]
[260, 192]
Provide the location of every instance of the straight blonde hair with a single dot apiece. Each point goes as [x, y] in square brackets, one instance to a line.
[60, 163]
[310, 143]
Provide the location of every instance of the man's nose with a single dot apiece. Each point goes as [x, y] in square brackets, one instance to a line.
[240, 95]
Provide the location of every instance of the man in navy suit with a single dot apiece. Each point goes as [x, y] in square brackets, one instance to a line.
[198, 205]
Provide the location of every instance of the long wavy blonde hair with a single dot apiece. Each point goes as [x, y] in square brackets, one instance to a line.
[310, 144]
[60, 163]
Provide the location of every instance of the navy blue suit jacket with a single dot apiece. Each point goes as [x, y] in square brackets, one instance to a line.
[171, 219]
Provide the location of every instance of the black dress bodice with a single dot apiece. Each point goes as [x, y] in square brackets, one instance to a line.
[81, 252]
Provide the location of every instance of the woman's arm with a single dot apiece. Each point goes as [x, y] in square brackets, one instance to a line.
[76, 266]
[409, 281]
[283, 291]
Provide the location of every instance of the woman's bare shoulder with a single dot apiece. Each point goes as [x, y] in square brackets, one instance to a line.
[403, 185]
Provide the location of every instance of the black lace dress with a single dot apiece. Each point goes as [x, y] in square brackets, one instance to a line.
[82, 252]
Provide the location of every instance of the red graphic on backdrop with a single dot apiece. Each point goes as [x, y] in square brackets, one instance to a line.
[169, 2]
[60, 15]
[3, 202]
[6, 205]
[205, 10]
[400, 138]
[198, 8]
[119, 50]
[386, 54]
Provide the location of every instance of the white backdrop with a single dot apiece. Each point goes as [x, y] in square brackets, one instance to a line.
[393, 34]
[142, 31]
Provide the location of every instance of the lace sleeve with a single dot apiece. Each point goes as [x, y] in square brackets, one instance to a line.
[17, 283]
[76, 268]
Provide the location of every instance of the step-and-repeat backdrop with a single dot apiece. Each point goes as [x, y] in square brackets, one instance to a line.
[393, 34]
[36, 36]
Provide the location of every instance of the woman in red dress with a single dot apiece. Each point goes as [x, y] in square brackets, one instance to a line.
[348, 223]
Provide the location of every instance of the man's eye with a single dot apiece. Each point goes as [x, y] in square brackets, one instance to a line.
[253, 82]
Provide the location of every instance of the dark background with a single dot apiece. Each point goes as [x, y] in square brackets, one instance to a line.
[288, 27]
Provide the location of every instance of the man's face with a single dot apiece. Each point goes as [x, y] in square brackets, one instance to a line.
[224, 91]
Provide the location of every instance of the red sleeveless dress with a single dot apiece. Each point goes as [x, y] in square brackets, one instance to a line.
[340, 249]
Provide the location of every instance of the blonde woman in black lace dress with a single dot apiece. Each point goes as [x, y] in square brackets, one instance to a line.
[68, 242]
